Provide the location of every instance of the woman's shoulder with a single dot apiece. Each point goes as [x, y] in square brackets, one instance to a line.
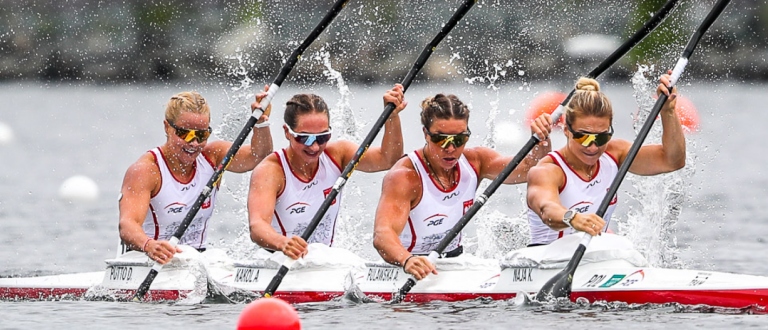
[270, 163]
[403, 177]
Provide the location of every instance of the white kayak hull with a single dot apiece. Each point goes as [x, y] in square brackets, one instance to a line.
[610, 271]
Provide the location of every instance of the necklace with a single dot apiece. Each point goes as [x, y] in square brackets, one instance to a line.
[589, 170]
[434, 175]
[589, 173]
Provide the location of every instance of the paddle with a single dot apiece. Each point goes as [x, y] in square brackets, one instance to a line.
[284, 71]
[483, 198]
[560, 285]
[278, 278]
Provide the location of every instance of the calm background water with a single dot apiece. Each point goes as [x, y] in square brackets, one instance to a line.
[98, 131]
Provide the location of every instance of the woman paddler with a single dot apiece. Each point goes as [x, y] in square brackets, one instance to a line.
[428, 191]
[288, 187]
[163, 184]
[566, 187]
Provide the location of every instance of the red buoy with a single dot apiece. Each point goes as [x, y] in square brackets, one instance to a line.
[269, 314]
[545, 102]
[687, 113]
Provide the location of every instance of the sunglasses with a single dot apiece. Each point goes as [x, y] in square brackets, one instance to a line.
[444, 140]
[308, 138]
[586, 139]
[189, 135]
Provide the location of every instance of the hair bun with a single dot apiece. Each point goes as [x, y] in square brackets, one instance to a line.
[587, 84]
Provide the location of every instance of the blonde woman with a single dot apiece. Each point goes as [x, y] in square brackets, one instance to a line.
[161, 186]
[566, 187]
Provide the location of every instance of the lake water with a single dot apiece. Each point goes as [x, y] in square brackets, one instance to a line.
[98, 131]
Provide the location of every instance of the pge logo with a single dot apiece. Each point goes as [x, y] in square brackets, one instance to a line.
[581, 207]
[435, 220]
[297, 208]
[174, 208]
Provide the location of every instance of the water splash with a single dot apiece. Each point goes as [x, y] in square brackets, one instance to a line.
[500, 233]
[239, 97]
[652, 225]
[352, 232]
[347, 125]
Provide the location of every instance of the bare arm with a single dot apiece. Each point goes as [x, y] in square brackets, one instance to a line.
[543, 194]
[544, 181]
[399, 190]
[492, 163]
[140, 181]
[670, 155]
[382, 158]
[267, 181]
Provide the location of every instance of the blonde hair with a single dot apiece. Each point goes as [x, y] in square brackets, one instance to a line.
[442, 106]
[588, 101]
[186, 102]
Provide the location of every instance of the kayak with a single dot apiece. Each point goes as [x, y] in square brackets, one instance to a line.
[611, 270]
[186, 277]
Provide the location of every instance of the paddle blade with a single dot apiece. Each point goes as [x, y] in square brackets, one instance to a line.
[559, 286]
[400, 295]
[144, 287]
[272, 287]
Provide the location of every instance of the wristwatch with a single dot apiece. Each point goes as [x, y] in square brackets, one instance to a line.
[568, 216]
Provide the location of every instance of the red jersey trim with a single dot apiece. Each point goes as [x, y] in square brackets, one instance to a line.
[194, 169]
[614, 159]
[431, 178]
[597, 170]
[325, 151]
[209, 161]
[157, 225]
[158, 172]
[421, 196]
[565, 177]
[413, 235]
[294, 173]
[280, 223]
[280, 162]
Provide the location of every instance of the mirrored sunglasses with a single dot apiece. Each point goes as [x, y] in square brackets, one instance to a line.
[309, 138]
[600, 139]
[444, 140]
[188, 135]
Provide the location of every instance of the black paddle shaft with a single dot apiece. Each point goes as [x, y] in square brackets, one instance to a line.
[352, 165]
[561, 284]
[284, 71]
[425, 54]
[649, 26]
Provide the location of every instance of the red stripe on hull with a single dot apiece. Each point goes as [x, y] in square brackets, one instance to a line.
[298, 297]
[76, 293]
[428, 297]
[720, 298]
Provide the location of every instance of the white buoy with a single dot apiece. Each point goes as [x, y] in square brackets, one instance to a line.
[509, 134]
[586, 45]
[79, 188]
[6, 134]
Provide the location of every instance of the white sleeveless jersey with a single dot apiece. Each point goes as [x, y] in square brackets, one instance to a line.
[578, 194]
[439, 210]
[300, 201]
[172, 202]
